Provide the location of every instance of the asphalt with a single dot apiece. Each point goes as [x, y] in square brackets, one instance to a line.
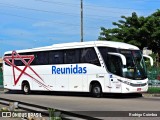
[81, 103]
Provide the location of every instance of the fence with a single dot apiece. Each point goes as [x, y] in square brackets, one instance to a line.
[154, 76]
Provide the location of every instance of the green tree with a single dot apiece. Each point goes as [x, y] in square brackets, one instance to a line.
[140, 31]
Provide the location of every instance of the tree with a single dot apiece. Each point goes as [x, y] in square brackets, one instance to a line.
[140, 31]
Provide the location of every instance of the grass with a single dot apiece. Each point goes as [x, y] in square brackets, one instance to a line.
[154, 90]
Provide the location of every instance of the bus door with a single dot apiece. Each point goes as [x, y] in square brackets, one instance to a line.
[115, 68]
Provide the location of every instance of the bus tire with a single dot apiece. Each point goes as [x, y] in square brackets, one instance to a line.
[26, 88]
[96, 90]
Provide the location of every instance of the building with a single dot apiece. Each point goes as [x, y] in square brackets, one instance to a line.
[146, 51]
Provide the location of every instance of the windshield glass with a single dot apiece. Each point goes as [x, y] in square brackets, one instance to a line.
[135, 67]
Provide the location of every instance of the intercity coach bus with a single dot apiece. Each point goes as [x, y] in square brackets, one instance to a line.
[97, 67]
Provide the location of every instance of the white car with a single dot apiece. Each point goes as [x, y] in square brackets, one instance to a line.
[154, 82]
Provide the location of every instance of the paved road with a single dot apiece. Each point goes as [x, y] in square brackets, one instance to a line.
[87, 103]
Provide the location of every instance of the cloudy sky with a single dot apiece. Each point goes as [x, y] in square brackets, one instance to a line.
[35, 23]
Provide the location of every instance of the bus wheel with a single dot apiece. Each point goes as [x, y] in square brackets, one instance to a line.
[26, 88]
[96, 90]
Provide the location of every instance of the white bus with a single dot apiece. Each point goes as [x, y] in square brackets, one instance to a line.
[97, 67]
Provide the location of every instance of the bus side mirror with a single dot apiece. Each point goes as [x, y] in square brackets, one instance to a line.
[150, 58]
[123, 58]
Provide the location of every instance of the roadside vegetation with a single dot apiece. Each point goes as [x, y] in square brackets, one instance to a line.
[137, 30]
[153, 74]
[143, 32]
[154, 90]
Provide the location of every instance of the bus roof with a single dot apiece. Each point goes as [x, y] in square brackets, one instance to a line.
[119, 45]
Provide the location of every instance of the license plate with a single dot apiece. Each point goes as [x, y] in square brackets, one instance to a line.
[138, 89]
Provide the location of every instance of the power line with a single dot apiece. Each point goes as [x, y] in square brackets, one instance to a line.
[58, 3]
[39, 10]
[25, 8]
[20, 16]
[46, 11]
[70, 14]
[32, 19]
[94, 6]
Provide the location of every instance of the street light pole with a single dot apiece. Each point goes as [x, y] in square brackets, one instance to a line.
[81, 20]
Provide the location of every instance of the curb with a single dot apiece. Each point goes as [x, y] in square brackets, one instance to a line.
[151, 95]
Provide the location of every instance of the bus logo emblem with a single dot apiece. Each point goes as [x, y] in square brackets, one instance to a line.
[23, 58]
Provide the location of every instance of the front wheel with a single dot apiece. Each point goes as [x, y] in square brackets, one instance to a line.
[26, 88]
[96, 90]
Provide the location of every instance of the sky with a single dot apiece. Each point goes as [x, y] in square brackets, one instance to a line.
[36, 23]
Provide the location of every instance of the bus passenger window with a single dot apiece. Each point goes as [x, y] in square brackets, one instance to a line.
[41, 58]
[72, 56]
[88, 55]
[56, 57]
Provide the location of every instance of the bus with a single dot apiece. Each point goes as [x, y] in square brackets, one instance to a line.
[96, 66]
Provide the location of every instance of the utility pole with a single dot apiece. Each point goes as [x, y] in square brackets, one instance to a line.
[81, 20]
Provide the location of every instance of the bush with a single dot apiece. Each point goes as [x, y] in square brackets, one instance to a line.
[154, 90]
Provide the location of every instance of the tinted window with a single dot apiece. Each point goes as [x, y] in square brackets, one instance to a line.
[9, 60]
[88, 55]
[113, 63]
[41, 58]
[104, 52]
[18, 63]
[56, 57]
[72, 56]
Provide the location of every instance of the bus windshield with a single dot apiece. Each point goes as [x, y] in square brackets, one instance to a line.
[135, 66]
